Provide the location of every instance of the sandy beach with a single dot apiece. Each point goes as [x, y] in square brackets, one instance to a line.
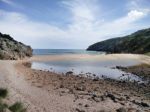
[43, 91]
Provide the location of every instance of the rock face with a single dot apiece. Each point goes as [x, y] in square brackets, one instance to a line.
[10, 49]
[138, 42]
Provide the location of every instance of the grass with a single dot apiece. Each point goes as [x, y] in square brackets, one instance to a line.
[16, 107]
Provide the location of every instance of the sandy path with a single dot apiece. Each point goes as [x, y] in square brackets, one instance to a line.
[37, 99]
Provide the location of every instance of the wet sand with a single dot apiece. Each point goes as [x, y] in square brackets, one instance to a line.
[43, 91]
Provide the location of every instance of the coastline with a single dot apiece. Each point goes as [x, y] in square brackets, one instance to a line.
[50, 92]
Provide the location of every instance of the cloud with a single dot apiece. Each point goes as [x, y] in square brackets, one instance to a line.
[12, 4]
[85, 28]
[9, 2]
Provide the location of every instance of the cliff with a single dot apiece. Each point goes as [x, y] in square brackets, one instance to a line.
[10, 49]
[138, 42]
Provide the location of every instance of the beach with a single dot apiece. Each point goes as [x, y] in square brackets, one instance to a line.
[45, 91]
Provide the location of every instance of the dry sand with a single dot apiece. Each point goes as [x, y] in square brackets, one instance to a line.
[49, 92]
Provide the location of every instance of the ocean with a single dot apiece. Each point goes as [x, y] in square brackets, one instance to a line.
[64, 51]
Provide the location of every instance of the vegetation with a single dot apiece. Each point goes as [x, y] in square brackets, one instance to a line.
[16, 107]
[138, 42]
[10, 49]
[148, 54]
[142, 70]
[3, 93]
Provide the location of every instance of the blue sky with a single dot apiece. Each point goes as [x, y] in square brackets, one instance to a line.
[71, 23]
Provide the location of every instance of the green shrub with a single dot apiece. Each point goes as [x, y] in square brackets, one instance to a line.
[17, 107]
[148, 53]
[3, 93]
[3, 107]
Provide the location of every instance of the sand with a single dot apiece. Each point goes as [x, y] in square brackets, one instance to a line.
[49, 92]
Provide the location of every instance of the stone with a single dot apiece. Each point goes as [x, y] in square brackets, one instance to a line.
[111, 96]
[86, 105]
[122, 109]
[79, 110]
[144, 104]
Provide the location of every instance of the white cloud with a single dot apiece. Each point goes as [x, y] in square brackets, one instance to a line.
[85, 28]
[134, 14]
[9, 2]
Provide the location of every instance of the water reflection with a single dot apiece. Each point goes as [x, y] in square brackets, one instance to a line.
[89, 67]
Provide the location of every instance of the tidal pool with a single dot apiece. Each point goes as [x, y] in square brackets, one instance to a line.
[98, 68]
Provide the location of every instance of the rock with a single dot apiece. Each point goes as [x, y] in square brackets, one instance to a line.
[86, 105]
[112, 97]
[80, 88]
[102, 98]
[120, 67]
[96, 79]
[61, 86]
[79, 110]
[121, 99]
[121, 110]
[144, 104]
[69, 73]
[141, 104]
[96, 99]
[132, 110]
[127, 97]
[80, 104]
[10, 49]
[101, 111]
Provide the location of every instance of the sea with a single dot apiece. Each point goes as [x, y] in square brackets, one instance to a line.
[92, 67]
[64, 51]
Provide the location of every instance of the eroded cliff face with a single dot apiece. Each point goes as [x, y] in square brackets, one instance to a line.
[10, 49]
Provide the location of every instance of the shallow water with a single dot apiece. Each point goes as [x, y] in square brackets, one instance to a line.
[100, 68]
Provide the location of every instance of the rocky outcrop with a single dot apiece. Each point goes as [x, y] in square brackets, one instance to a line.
[10, 49]
[138, 42]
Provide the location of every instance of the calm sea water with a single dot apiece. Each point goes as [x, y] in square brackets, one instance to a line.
[63, 51]
[84, 66]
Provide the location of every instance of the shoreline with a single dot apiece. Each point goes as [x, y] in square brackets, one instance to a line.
[51, 92]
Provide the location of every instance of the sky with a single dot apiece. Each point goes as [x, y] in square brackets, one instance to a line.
[71, 24]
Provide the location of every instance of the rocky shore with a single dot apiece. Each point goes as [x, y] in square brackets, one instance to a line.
[91, 95]
[142, 70]
[45, 91]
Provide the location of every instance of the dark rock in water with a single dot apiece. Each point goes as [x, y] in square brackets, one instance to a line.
[69, 73]
[121, 110]
[120, 67]
[96, 79]
[10, 49]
